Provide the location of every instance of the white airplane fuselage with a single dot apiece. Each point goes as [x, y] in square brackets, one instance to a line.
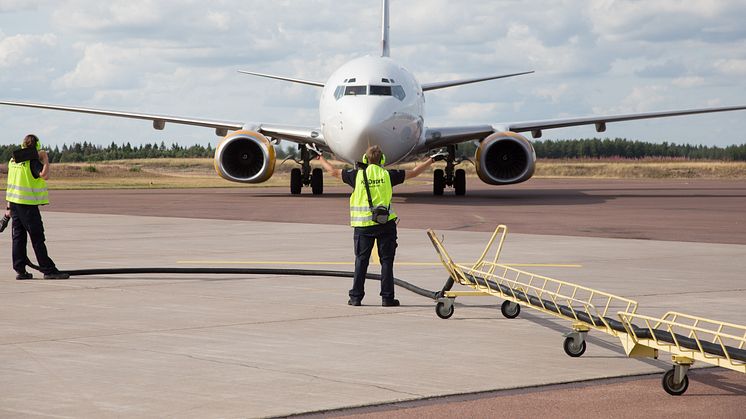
[372, 101]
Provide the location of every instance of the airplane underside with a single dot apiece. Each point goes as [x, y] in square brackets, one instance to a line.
[502, 158]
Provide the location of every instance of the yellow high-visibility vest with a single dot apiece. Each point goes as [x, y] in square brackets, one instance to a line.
[381, 191]
[23, 188]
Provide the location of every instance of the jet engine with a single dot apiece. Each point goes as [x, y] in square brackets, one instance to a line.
[504, 158]
[245, 156]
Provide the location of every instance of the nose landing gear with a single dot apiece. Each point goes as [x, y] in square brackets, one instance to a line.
[304, 176]
[450, 176]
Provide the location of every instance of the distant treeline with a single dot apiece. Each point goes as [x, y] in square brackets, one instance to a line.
[623, 148]
[549, 149]
[88, 152]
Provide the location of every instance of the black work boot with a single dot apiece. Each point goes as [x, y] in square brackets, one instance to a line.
[24, 275]
[353, 302]
[390, 302]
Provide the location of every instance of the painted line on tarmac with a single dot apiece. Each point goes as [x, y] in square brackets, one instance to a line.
[376, 262]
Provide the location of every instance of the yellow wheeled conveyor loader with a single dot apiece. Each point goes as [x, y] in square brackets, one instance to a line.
[585, 307]
[588, 308]
[687, 338]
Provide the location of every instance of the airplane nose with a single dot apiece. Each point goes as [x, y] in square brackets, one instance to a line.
[366, 122]
[371, 121]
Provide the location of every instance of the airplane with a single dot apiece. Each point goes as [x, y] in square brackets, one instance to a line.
[373, 100]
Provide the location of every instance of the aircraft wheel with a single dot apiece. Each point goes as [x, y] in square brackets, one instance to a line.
[442, 312]
[439, 182]
[296, 183]
[459, 182]
[510, 309]
[572, 349]
[672, 388]
[317, 181]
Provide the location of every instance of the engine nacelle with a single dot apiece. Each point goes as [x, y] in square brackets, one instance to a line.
[504, 158]
[245, 156]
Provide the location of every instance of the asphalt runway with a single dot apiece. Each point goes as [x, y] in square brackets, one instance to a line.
[681, 210]
[170, 346]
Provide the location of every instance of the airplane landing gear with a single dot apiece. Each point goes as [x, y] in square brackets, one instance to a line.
[450, 176]
[304, 176]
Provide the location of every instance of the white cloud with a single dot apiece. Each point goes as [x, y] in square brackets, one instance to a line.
[552, 93]
[732, 67]
[471, 112]
[220, 20]
[7, 6]
[112, 15]
[640, 99]
[23, 50]
[689, 81]
[180, 57]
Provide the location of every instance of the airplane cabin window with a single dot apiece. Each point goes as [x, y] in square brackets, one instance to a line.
[398, 92]
[356, 90]
[380, 90]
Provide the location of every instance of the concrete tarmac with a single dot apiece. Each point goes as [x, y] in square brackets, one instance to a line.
[254, 346]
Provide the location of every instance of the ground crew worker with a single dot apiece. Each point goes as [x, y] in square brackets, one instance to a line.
[367, 231]
[27, 189]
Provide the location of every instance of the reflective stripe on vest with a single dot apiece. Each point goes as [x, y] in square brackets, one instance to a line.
[23, 188]
[380, 193]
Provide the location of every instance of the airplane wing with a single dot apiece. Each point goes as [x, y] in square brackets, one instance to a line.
[444, 84]
[443, 136]
[291, 133]
[600, 121]
[302, 135]
[291, 79]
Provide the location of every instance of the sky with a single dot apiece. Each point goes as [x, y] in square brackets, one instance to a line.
[181, 58]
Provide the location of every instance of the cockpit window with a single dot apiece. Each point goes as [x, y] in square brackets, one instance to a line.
[380, 90]
[398, 92]
[356, 90]
[395, 91]
[338, 92]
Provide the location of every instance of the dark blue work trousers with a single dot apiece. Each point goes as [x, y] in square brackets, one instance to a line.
[27, 223]
[385, 236]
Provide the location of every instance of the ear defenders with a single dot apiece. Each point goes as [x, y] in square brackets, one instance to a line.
[383, 159]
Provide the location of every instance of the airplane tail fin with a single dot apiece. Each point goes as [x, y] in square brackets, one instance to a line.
[385, 30]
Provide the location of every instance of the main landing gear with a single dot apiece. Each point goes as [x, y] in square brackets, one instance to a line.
[304, 175]
[451, 176]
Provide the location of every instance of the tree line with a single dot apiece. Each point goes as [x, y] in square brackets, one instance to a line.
[623, 148]
[548, 149]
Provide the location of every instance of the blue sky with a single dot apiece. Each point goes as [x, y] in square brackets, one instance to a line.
[181, 57]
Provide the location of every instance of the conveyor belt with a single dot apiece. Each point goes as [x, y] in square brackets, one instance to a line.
[640, 332]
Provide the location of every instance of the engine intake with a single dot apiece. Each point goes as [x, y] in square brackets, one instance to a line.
[504, 158]
[245, 156]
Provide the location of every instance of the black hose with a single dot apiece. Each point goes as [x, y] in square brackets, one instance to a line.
[249, 271]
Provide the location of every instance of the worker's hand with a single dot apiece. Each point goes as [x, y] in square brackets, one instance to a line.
[441, 155]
